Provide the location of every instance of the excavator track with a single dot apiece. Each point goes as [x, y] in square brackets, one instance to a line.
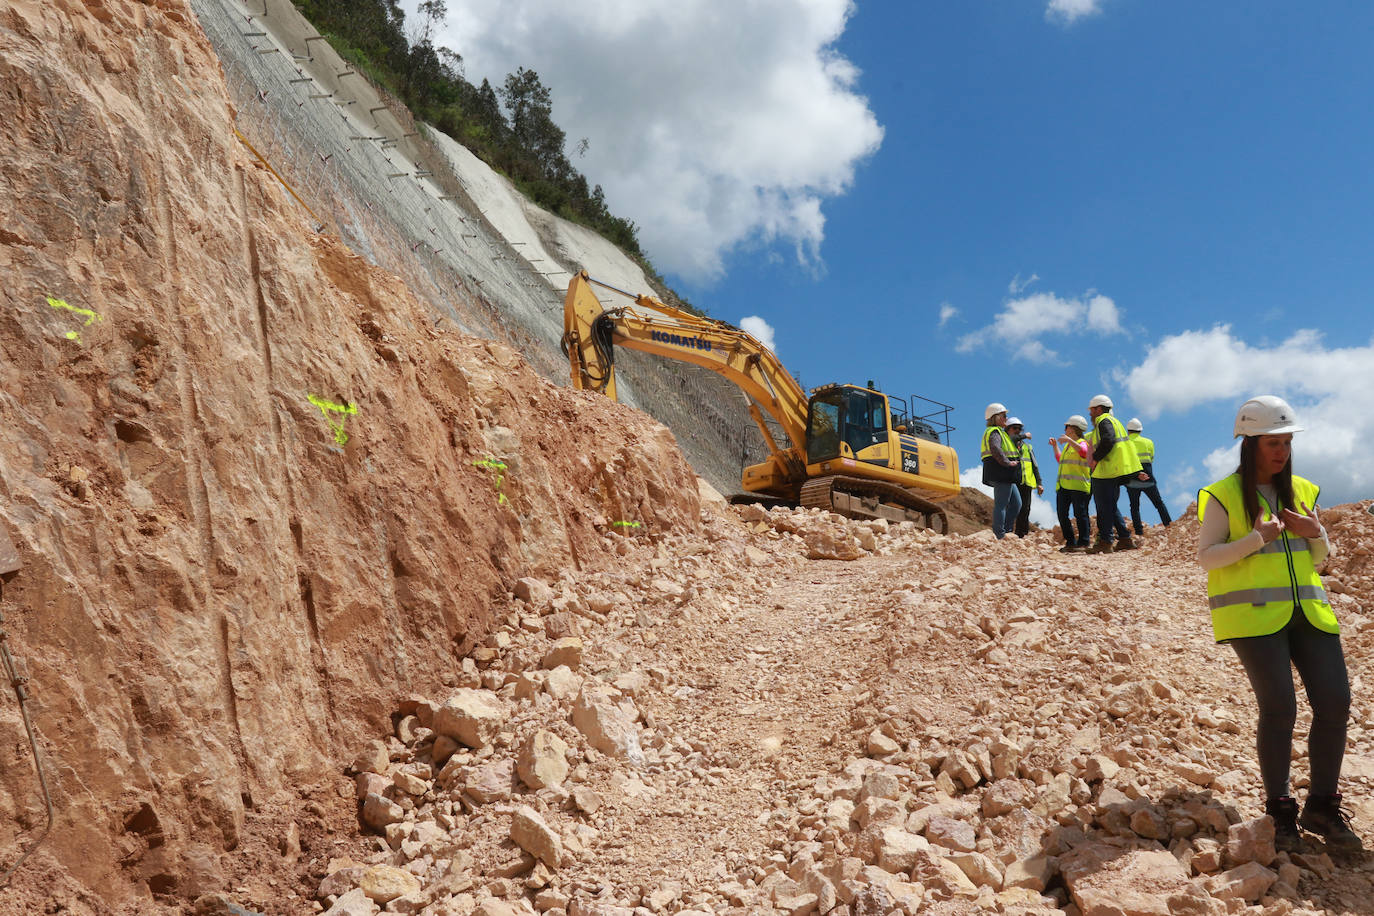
[856, 497]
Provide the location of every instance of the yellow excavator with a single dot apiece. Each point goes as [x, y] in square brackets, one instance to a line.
[851, 449]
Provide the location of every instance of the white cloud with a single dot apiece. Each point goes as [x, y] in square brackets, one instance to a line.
[1022, 322]
[1017, 285]
[762, 331]
[713, 125]
[1070, 11]
[1033, 351]
[947, 312]
[1103, 316]
[1195, 368]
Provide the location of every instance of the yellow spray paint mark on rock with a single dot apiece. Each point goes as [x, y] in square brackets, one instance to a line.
[492, 464]
[328, 409]
[625, 524]
[89, 315]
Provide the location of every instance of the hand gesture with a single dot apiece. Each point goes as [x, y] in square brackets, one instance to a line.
[1304, 525]
[1270, 529]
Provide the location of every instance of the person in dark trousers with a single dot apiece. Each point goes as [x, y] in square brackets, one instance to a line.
[1144, 482]
[1073, 487]
[1030, 473]
[1261, 542]
[1001, 470]
[1114, 461]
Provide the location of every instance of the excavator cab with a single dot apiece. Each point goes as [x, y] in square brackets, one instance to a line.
[844, 421]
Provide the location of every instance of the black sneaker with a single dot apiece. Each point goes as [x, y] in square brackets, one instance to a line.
[1100, 547]
[1284, 811]
[1324, 816]
[1070, 548]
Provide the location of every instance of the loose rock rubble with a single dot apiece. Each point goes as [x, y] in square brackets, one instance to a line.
[804, 714]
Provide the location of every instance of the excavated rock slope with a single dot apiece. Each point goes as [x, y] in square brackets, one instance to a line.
[257, 495]
[324, 608]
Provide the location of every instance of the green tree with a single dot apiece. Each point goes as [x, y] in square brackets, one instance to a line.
[530, 105]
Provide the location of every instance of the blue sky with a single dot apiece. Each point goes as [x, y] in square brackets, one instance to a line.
[1014, 200]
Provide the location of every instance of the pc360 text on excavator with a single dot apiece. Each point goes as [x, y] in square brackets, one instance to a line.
[850, 449]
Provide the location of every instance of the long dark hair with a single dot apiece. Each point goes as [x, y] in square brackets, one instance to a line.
[1283, 480]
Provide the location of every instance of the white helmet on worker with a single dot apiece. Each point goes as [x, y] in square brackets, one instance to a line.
[1266, 415]
[993, 410]
[1134, 425]
[1078, 421]
[1014, 421]
[1101, 401]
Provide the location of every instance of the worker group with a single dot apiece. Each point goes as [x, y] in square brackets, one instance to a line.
[1097, 460]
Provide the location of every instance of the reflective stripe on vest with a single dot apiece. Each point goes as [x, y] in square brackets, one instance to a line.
[1027, 468]
[1145, 448]
[1074, 470]
[1122, 459]
[1256, 595]
[1008, 447]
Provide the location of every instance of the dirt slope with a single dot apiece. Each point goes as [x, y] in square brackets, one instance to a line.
[257, 494]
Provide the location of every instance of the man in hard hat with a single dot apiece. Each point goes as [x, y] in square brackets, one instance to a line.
[1030, 473]
[1001, 470]
[1073, 488]
[1144, 482]
[1114, 461]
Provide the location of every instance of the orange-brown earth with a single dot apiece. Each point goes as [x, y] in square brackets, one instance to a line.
[233, 586]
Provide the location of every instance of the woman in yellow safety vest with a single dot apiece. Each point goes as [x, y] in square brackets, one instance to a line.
[1073, 488]
[1260, 543]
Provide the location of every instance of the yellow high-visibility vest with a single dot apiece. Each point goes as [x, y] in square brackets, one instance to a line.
[1144, 447]
[1256, 596]
[1122, 459]
[1027, 468]
[1074, 470]
[1008, 447]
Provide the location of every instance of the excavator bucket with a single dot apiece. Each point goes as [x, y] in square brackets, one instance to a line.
[590, 355]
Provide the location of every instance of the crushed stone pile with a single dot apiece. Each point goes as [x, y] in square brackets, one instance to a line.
[797, 713]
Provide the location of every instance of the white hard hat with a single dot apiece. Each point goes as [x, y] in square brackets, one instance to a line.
[1266, 415]
[1014, 421]
[993, 410]
[1101, 401]
[1134, 426]
[1078, 421]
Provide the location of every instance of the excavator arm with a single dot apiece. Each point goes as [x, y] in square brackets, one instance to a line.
[591, 332]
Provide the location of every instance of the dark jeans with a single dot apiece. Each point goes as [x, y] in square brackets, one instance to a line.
[1151, 491]
[1078, 501]
[1106, 494]
[1023, 517]
[1269, 662]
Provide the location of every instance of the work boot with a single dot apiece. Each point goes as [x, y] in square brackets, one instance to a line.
[1125, 544]
[1284, 811]
[1100, 547]
[1324, 816]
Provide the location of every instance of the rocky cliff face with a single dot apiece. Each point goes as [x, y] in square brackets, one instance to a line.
[256, 492]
